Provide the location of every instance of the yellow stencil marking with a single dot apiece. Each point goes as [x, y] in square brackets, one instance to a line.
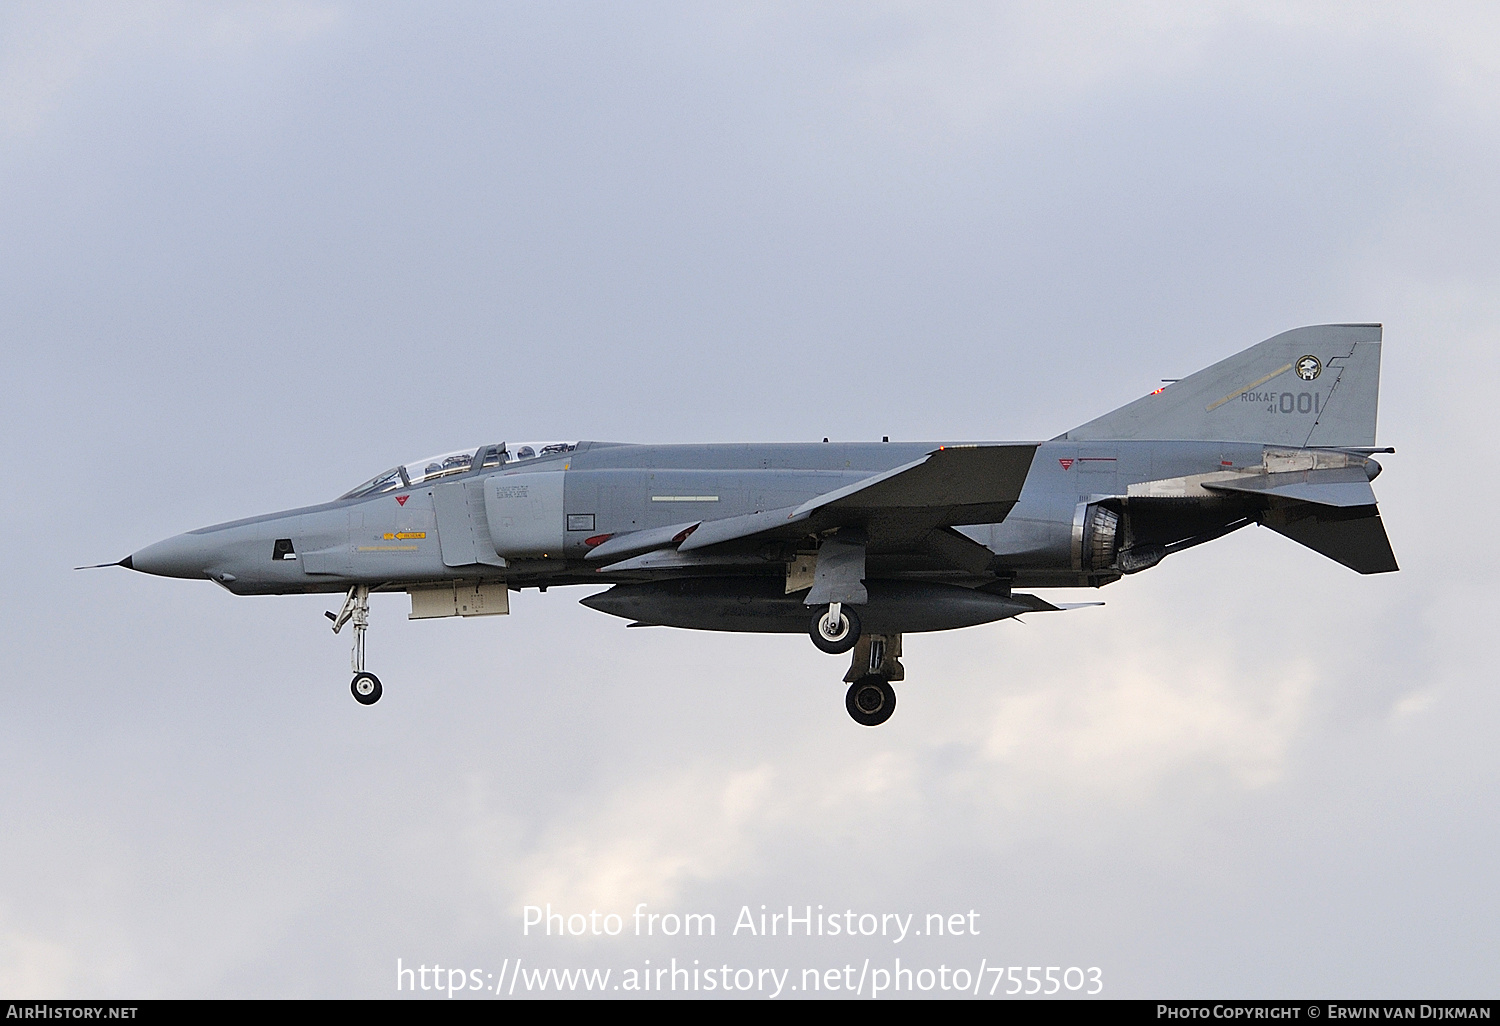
[1254, 384]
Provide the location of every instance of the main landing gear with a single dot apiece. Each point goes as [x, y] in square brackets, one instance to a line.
[870, 700]
[356, 611]
[876, 662]
[838, 579]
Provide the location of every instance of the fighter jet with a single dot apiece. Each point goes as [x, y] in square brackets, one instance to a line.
[855, 543]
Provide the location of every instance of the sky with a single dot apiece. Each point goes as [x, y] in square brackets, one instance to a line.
[255, 253]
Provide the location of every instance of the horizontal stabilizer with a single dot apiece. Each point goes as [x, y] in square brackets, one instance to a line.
[1353, 536]
[1340, 486]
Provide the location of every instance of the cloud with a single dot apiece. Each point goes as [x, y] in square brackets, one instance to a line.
[1136, 720]
[650, 839]
[48, 50]
[1114, 727]
[31, 966]
[964, 69]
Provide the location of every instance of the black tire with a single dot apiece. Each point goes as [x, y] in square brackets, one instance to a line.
[366, 689]
[870, 700]
[843, 642]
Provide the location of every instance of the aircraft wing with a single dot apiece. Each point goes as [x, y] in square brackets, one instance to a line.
[950, 486]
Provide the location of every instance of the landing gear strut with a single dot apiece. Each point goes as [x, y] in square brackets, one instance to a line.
[877, 661]
[356, 610]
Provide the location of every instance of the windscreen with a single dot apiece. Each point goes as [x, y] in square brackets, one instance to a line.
[451, 464]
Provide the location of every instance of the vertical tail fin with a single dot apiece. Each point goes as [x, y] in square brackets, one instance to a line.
[1309, 386]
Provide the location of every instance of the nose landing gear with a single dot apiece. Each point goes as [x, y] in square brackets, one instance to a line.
[356, 611]
[835, 630]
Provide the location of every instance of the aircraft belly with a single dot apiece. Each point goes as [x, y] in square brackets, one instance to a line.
[759, 605]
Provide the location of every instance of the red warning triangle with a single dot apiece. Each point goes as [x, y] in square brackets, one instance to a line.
[1066, 463]
[401, 499]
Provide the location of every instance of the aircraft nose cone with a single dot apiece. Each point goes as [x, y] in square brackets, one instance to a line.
[185, 555]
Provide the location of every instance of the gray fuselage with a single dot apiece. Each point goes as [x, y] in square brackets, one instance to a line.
[441, 531]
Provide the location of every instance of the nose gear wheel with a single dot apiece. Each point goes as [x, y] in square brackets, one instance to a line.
[366, 688]
[835, 630]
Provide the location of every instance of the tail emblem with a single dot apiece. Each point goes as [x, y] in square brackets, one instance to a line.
[1309, 367]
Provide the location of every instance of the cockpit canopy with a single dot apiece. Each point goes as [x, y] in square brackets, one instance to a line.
[451, 464]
